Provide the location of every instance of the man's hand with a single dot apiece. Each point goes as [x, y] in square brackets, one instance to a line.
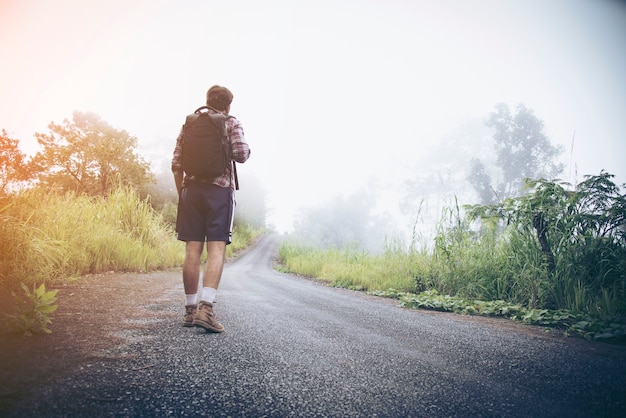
[178, 179]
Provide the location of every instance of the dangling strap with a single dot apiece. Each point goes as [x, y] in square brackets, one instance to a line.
[235, 173]
[223, 119]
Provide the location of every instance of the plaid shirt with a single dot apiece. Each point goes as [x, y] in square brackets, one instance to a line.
[240, 152]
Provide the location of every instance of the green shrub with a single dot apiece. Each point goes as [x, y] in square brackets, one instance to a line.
[550, 250]
[34, 310]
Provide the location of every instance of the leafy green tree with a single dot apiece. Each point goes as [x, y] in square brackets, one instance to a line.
[523, 151]
[13, 164]
[580, 235]
[87, 155]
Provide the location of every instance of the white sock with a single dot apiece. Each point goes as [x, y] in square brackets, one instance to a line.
[190, 299]
[208, 294]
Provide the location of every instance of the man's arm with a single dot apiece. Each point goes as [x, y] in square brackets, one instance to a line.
[239, 146]
[177, 163]
[178, 179]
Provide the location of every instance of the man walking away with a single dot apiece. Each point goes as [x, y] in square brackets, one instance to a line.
[205, 204]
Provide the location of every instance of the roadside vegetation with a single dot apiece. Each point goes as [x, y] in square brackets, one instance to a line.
[533, 248]
[50, 237]
[555, 256]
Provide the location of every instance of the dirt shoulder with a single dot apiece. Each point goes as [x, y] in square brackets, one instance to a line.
[93, 316]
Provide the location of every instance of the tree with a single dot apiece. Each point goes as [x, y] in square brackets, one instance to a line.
[580, 234]
[481, 180]
[87, 155]
[523, 151]
[13, 165]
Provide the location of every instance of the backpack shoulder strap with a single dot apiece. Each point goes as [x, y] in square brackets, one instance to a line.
[220, 120]
[226, 117]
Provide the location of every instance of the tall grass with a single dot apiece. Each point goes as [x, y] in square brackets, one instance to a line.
[352, 267]
[497, 265]
[488, 259]
[48, 236]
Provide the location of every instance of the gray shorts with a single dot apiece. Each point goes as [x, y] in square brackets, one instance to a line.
[205, 213]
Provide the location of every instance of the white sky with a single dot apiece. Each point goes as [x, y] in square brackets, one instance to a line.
[324, 88]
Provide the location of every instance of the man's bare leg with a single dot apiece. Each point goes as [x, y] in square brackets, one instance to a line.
[191, 267]
[212, 274]
[216, 251]
[191, 277]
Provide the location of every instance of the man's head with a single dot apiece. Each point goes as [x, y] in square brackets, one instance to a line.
[219, 98]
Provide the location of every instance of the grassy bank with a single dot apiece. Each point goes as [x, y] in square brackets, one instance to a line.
[51, 237]
[48, 237]
[477, 286]
[552, 257]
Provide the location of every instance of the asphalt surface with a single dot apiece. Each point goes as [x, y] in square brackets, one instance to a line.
[293, 347]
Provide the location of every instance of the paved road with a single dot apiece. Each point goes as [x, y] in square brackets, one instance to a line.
[293, 347]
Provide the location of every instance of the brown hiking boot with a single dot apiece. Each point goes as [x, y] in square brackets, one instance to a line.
[190, 312]
[206, 319]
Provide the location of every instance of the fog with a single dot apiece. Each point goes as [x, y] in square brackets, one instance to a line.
[373, 103]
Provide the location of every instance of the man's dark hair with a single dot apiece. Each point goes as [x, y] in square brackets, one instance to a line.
[219, 97]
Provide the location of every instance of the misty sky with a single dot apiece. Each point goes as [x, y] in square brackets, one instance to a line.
[333, 95]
